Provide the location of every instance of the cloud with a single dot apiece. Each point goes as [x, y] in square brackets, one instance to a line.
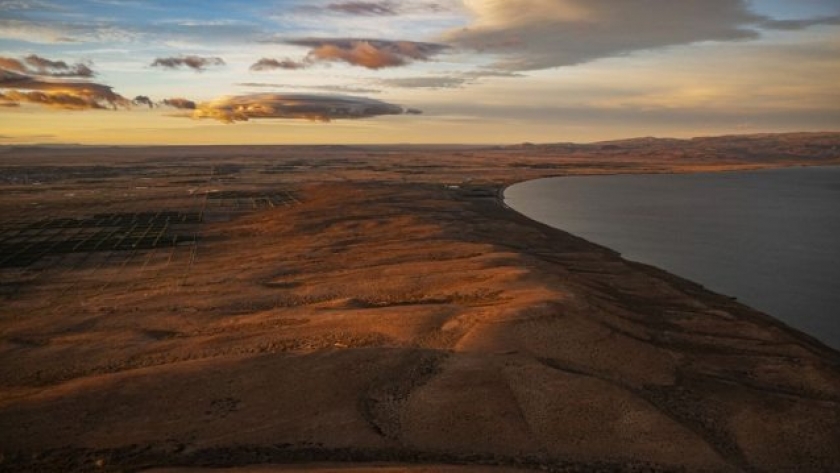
[426, 82]
[363, 8]
[540, 34]
[792, 25]
[196, 63]
[73, 24]
[343, 89]
[143, 100]
[56, 99]
[7, 101]
[180, 103]
[267, 64]
[71, 95]
[24, 5]
[369, 53]
[378, 8]
[294, 106]
[49, 32]
[41, 66]
[451, 81]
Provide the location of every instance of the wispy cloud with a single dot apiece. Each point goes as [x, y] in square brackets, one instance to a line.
[792, 25]
[364, 8]
[449, 81]
[48, 32]
[196, 63]
[28, 5]
[425, 82]
[342, 89]
[379, 7]
[294, 106]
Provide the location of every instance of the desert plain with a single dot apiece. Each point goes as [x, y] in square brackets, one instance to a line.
[379, 308]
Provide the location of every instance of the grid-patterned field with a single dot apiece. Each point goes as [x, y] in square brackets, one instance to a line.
[71, 233]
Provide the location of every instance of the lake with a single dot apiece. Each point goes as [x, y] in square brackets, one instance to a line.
[771, 238]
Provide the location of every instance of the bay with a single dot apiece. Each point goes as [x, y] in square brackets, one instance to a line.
[770, 238]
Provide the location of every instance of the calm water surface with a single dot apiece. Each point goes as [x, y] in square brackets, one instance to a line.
[770, 238]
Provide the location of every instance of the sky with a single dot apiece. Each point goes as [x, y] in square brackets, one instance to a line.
[163, 72]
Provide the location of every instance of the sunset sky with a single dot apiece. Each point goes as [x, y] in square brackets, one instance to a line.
[416, 71]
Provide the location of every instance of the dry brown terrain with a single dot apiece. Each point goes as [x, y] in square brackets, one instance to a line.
[379, 309]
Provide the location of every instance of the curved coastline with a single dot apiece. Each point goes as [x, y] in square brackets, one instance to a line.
[777, 321]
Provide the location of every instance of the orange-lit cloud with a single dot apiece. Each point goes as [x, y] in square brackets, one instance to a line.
[369, 53]
[71, 95]
[68, 100]
[196, 63]
[295, 106]
[7, 101]
[41, 66]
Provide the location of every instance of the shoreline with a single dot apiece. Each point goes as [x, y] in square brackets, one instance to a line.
[682, 280]
[501, 198]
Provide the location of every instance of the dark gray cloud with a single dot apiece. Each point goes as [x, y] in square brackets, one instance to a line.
[72, 95]
[179, 103]
[35, 65]
[364, 8]
[342, 89]
[269, 64]
[196, 63]
[369, 53]
[449, 81]
[375, 8]
[143, 100]
[425, 82]
[539, 34]
[294, 106]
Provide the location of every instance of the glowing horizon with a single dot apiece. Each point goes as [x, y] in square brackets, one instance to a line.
[358, 72]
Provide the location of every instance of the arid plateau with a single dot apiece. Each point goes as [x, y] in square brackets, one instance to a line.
[378, 308]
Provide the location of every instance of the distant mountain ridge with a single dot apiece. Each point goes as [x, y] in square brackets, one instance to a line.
[764, 146]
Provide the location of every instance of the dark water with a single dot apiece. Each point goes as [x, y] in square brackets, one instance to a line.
[770, 238]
